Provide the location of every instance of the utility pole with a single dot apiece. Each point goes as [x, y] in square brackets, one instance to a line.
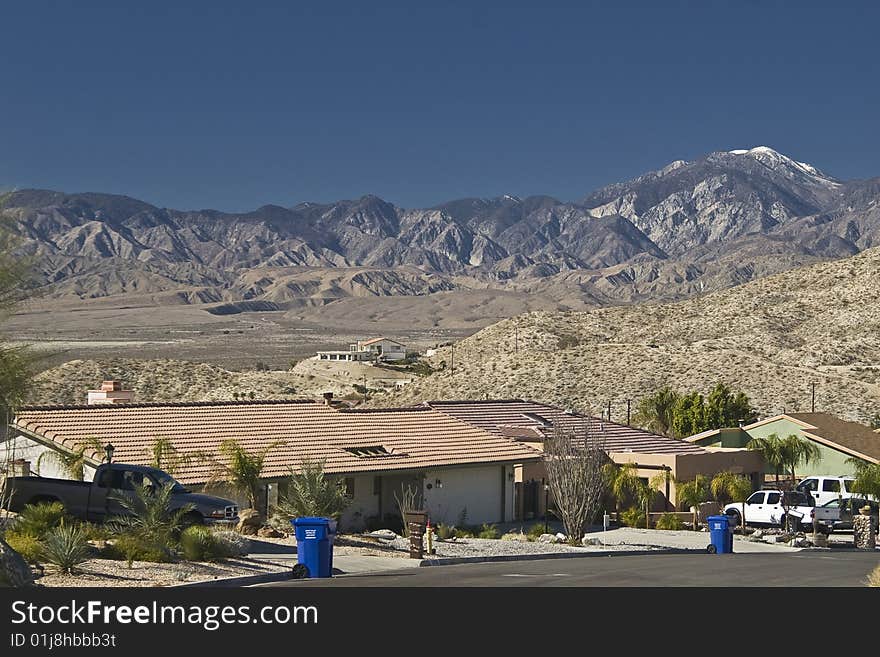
[813, 401]
[452, 366]
[365, 389]
[609, 410]
[628, 406]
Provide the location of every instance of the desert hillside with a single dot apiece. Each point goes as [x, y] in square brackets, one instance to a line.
[772, 338]
[175, 380]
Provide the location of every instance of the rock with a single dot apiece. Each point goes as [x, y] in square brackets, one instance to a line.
[14, 570]
[385, 534]
[587, 541]
[270, 532]
[561, 536]
[548, 538]
[515, 536]
[758, 533]
[249, 522]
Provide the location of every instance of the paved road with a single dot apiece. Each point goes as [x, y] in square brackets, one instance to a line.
[798, 569]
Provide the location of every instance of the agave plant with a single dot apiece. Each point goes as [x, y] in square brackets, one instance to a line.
[66, 547]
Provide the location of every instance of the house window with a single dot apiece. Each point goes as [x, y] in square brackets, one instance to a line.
[349, 487]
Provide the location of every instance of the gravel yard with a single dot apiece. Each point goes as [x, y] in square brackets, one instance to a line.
[107, 573]
[481, 547]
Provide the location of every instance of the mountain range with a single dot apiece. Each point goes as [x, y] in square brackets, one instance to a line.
[687, 228]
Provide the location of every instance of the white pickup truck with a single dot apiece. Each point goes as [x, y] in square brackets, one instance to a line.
[765, 508]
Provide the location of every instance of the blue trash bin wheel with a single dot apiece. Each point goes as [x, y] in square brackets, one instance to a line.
[300, 571]
[710, 549]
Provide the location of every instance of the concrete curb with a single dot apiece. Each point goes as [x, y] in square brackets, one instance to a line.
[243, 580]
[552, 555]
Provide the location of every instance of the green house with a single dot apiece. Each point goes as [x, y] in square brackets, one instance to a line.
[837, 439]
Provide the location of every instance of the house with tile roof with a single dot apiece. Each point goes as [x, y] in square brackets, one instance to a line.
[532, 422]
[838, 440]
[453, 466]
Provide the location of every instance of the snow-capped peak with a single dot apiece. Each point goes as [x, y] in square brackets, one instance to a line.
[773, 159]
[509, 197]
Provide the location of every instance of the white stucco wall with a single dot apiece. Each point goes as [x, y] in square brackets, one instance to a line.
[477, 489]
[363, 505]
[21, 447]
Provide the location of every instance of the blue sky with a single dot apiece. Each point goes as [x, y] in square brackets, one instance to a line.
[235, 105]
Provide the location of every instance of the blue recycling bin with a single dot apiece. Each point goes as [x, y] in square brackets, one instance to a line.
[314, 545]
[720, 535]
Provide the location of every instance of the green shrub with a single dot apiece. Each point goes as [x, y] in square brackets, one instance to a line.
[488, 531]
[633, 517]
[199, 543]
[38, 519]
[669, 521]
[26, 545]
[445, 532]
[95, 532]
[233, 543]
[132, 547]
[66, 547]
[535, 532]
[463, 532]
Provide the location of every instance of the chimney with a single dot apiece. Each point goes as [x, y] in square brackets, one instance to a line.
[328, 398]
[110, 392]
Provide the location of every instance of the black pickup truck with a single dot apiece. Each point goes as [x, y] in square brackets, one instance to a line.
[94, 501]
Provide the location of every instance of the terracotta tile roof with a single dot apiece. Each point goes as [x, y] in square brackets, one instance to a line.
[498, 416]
[406, 438]
[852, 437]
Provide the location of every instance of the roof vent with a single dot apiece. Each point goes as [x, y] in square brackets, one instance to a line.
[371, 452]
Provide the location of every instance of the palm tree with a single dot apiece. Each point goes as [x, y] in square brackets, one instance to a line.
[165, 456]
[622, 481]
[798, 451]
[771, 449]
[74, 462]
[867, 478]
[734, 487]
[693, 493]
[241, 469]
[654, 413]
[149, 514]
[647, 492]
[311, 493]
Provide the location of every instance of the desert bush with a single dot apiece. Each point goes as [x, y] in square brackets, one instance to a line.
[38, 520]
[198, 543]
[488, 531]
[633, 517]
[95, 532]
[66, 547]
[26, 545]
[463, 532]
[132, 547]
[445, 532]
[535, 532]
[669, 521]
[234, 543]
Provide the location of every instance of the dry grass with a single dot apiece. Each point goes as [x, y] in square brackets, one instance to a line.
[873, 578]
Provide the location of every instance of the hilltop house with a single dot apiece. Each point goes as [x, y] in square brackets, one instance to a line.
[376, 349]
[453, 467]
[837, 440]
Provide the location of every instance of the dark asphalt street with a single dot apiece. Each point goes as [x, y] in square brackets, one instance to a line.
[845, 568]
